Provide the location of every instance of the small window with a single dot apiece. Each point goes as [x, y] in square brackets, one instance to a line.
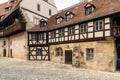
[4, 43]
[89, 9]
[38, 7]
[50, 12]
[7, 9]
[69, 15]
[41, 36]
[43, 23]
[83, 28]
[59, 52]
[61, 32]
[58, 20]
[90, 54]
[98, 25]
[46, 0]
[33, 37]
[53, 34]
[35, 20]
[38, 51]
[71, 30]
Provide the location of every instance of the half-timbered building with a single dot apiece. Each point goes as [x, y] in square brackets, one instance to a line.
[86, 35]
[16, 17]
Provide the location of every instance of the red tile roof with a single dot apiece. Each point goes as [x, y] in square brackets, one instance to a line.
[103, 7]
[5, 5]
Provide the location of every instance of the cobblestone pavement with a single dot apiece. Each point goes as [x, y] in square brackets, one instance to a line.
[16, 69]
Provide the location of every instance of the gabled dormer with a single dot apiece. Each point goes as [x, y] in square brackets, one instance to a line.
[89, 9]
[43, 23]
[7, 8]
[69, 15]
[59, 19]
[11, 1]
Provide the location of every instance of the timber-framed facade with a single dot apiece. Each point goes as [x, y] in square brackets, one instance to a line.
[86, 35]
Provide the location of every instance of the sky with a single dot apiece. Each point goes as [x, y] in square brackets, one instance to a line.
[60, 4]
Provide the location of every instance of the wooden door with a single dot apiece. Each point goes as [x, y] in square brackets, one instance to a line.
[68, 57]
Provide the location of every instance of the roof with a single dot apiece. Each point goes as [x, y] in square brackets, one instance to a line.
[102, 8]
[6, 5]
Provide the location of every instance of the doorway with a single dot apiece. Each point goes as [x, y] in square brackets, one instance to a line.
[4, 53]
[68, 57]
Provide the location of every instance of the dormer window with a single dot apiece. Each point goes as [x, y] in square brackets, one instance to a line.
[59, 19]
[43, 23]
[89, 9]
[7, 9]
[69, 15]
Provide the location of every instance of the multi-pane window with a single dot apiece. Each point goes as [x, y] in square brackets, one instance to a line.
[50, 12]
[61, 32]
[98, 25]
[71, 30]
[33, 37]
[83, 28]
[38, 7]
[41, 36]
[68, 17]
[58, 20]
[59, 52]
[53, 34]
[90, 54]
[38, 51]
[43, 23]
[88, 11]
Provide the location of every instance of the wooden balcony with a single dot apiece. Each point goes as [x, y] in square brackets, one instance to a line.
[116, 31]
[14, 29]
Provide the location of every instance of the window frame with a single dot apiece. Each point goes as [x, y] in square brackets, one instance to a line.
[38, 51]
[83, 27]
[53, 35]
[41, 36]
[98, 26]
[71, 30]
[90, 55]
[33, 37]
[61, 32]
[50, 12]
[59, 52]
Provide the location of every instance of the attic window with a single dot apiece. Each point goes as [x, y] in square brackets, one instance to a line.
[7, 9]
[59, 19]
[89, 9]
[12, 1]
[69, 15]
[43, 23]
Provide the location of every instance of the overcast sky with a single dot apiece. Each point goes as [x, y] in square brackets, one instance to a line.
[61, 4]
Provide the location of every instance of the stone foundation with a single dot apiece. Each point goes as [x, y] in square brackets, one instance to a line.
[104, 54]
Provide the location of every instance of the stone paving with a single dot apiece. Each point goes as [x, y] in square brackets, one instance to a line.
[16, 69]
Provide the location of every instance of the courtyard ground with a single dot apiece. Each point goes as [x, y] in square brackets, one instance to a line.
[16, 69]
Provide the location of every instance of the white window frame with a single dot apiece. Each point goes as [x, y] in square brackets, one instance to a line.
[99, 25]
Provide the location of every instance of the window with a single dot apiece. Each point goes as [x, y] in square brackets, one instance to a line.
[33, 37]
[46, 0]
[50, 12]
[71, 30]
[58, 20]
[38, 7]
[83, 28]
[43, 23]
[88, 11]
[41, 36]
[59, 52]
[38, 51]
[69, 15]
[98, 25]
[90, 54]
[35, 20]
[53, 34]
[4, 43]
[7, 9]
[61, 32]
